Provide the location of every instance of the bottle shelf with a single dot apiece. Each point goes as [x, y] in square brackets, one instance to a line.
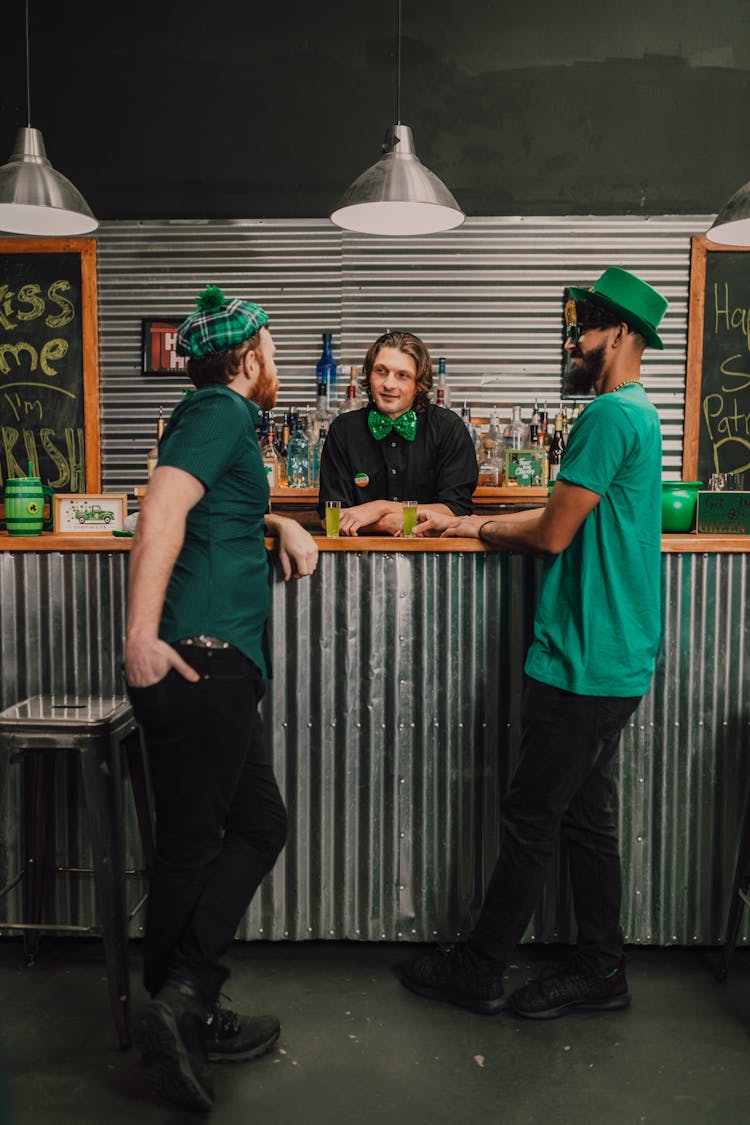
[483, 497]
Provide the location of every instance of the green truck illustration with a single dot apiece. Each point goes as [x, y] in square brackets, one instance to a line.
[94, 514]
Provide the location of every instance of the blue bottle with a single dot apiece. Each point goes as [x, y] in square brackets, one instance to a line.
[326, 368]
[298, 458]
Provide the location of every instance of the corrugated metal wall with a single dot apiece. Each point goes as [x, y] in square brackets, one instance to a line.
[486, 296]
[394, 721]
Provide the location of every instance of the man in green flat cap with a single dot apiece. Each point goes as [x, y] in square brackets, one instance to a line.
[596, 635]
[195, 665]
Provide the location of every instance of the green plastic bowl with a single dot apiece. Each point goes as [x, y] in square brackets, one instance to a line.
[678, 501]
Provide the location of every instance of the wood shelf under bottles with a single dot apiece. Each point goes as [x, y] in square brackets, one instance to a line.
[484, 497]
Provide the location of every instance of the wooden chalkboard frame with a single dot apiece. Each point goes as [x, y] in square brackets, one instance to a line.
[86, 249]
[700, 248]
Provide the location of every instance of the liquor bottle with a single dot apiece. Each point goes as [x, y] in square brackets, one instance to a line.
[350, 402]
[534, 425]
[489, 470]
[471, 429]
[556, 449]
[543, 423]
[279, 442]
[443, 395]
[298, 458]
[321, 415]
[515, 433]
[265, 425]
[271, 462]
[326, 368]
[317, 453]
[493, 432]
[152, 457]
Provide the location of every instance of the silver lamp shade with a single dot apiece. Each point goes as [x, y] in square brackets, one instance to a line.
[398, 195]
[732, 225]
[37, 200]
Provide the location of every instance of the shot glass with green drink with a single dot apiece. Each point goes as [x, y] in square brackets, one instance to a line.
[333, 517]
[410, 518]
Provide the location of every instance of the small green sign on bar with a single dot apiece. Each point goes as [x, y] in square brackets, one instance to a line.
[525, 468]
[723, 513]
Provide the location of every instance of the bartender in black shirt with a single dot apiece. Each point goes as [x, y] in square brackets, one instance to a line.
[399, 447]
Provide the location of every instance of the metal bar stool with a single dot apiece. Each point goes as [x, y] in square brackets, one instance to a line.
[108, 741]
[739, 899]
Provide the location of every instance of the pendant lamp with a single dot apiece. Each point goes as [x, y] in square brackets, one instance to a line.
[34, 198]
[398, 196]
[732, 225]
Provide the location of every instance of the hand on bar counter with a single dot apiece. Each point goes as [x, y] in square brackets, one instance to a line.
[377, 515]
[432, 523]
[298, 552]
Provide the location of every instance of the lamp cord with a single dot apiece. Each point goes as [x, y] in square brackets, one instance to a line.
[28, 78]
[398, 65]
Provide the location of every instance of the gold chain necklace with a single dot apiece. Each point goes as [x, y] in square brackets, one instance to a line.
[624, 383]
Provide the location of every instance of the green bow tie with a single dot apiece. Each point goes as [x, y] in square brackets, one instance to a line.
[381, 425]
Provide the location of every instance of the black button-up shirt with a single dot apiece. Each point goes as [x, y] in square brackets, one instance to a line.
[438, 467]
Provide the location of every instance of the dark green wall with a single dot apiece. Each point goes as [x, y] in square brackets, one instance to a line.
[189, 110]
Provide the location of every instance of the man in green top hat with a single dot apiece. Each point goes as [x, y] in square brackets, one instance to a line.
[596, 635]
[195, 664]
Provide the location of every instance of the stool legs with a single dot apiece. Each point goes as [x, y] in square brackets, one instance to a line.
[103, 788]
[39, 771]
[135, 751]
[737, 904]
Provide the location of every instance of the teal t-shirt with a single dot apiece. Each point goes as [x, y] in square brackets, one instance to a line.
[598, 619]
[220, 582]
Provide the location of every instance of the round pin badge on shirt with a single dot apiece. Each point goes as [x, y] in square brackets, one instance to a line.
[361, 480]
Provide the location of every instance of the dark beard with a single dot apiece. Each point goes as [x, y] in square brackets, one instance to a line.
[580, 379]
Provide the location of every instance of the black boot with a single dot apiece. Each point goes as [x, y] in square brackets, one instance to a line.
[170, 1034]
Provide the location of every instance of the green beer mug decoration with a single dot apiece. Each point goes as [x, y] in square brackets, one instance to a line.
[24, 505]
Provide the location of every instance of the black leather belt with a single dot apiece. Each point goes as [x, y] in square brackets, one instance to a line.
[202, 641]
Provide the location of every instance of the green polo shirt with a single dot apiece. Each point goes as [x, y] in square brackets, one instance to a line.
[598, 619]
[220, 582]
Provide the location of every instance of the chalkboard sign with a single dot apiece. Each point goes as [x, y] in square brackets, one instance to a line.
[49, 369]
[723, 513]
[717, 392]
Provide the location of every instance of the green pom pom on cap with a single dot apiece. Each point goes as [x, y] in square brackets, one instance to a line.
[210, 298]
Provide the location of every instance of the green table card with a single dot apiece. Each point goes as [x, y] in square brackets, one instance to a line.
[525, 468]
[723, 513]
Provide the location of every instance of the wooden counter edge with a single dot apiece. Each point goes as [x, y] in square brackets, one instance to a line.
[670, 544]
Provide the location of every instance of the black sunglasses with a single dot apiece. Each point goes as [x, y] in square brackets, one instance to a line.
[573, 332]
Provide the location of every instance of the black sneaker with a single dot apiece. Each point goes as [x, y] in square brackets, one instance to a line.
[170, 1035]
[571, 989]
[455, 974]
[230, 1037]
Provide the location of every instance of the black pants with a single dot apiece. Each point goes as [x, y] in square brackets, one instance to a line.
[563, 783]
[220, 819]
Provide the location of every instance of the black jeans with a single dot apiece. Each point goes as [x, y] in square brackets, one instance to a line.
[563, 783]
[220, 819]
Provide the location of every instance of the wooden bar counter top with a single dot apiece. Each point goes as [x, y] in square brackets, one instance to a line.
[670, 544]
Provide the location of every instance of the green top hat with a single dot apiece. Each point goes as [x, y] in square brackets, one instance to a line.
[623, 293]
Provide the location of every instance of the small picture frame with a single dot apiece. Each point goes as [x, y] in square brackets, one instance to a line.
[159, 346]
[84, 513]
[525, 468]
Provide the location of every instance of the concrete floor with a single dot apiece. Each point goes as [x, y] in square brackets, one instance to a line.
[357, 1047]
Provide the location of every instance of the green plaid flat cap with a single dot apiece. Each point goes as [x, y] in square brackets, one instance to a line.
[218, 324]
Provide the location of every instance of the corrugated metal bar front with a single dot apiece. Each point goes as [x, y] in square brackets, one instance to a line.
[393, 717]
[486, 296]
